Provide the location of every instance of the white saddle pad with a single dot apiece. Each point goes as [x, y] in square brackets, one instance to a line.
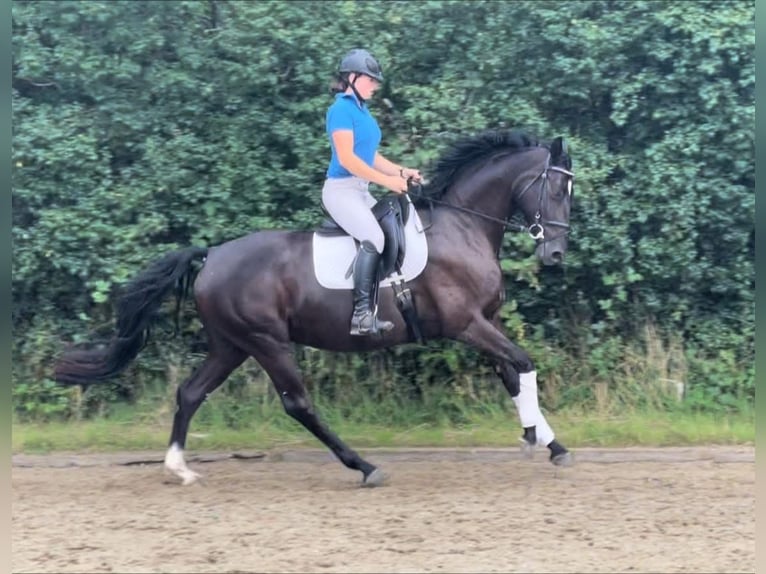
[333, 256]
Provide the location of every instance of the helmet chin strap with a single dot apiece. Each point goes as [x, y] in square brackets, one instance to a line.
[356, 92]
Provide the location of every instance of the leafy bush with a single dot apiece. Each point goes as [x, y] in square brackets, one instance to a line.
[142, 126]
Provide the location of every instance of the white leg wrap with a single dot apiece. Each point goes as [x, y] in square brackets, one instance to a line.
[529, 409]
[544, 432]
[175, 463]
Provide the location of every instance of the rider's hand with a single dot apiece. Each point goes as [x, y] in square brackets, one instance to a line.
[410, 173]
[396, 184]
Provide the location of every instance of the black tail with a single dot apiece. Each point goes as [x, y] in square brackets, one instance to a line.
[137, 306]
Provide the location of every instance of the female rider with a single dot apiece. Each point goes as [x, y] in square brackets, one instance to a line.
[355, 162]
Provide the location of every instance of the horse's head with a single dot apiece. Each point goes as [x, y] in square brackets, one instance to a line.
[497, 173]
[545, 200]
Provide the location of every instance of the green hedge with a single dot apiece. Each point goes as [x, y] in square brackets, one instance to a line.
[142, 126]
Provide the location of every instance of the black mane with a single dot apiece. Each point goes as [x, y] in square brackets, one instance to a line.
[469, 151]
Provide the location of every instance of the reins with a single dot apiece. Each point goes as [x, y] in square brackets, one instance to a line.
[536, 230]
[504, 222]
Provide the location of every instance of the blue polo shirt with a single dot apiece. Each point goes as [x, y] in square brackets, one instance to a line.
[347, 114]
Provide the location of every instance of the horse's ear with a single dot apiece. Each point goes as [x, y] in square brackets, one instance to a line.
[558, 148]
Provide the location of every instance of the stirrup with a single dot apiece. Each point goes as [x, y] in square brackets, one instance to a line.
[358, 326]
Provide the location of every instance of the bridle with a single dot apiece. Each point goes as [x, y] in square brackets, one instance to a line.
[537, 229]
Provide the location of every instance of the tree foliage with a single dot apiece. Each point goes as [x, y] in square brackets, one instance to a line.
[142, 126]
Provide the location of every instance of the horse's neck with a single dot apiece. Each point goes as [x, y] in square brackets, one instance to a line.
[488, 192]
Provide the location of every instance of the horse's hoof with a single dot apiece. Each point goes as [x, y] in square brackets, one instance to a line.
[187, 476]
[563, 459]
[376, 478]
[527, 448]
[190, 478]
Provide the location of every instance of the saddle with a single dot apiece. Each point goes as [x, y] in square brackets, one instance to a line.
[392, 212]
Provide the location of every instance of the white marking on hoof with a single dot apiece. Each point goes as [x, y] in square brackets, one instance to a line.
[175, 463]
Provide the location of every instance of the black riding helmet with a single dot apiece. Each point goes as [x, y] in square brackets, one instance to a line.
[361, 62]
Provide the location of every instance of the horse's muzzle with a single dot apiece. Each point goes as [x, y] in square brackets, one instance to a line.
[550, 253]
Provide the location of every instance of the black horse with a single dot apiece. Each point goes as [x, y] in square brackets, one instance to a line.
[258, 296]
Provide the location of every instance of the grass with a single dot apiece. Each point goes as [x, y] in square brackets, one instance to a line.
[359, 400]
[496, 429]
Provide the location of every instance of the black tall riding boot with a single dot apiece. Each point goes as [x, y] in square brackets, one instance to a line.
[364, 321]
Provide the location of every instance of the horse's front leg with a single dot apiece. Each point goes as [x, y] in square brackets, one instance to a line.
[523, 390]
[517, 371]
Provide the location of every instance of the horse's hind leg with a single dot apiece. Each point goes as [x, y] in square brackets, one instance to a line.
[519, 377]
[277, 360]
[217, 366]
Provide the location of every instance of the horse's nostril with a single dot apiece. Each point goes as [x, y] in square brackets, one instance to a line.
[557, 256]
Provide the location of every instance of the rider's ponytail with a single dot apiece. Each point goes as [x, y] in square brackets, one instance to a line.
[339, 83]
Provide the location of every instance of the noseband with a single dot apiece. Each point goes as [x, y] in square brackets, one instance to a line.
[537, 229]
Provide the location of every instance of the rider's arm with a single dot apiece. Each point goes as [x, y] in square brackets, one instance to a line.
[343, 141]
[385, 165]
